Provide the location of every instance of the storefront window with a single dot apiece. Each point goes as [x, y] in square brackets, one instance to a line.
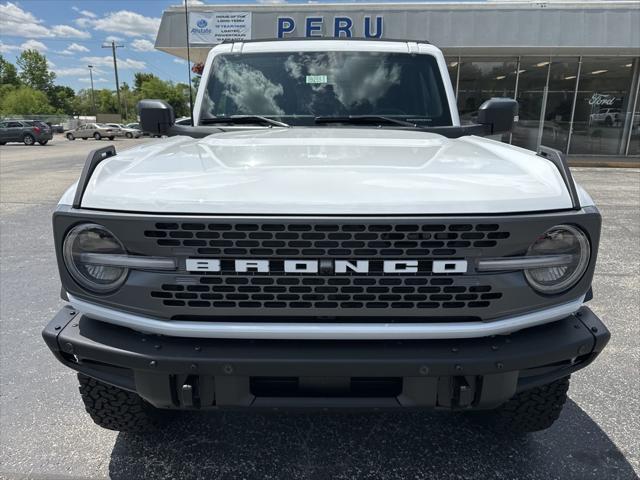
[482, 79]
[601, 106]
[452, 67]
[557, 118]
[531, 83]
[634, 143]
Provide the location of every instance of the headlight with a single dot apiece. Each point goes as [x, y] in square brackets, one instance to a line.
[559, 240]
[90, 238]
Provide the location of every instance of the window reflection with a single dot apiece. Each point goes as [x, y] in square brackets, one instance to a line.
[299, 86]
[482, 79]
[601, 106]
[531, 84]
[557, 120]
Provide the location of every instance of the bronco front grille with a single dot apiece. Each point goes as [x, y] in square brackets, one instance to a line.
[333, 240]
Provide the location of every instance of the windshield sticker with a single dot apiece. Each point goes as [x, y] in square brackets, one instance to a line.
[317, 79]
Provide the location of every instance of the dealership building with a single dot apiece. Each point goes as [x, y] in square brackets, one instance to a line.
[574, 67]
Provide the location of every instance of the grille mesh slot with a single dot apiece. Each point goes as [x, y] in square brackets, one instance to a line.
[334, 240]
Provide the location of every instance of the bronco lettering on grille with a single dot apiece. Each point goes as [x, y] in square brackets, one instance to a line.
[314, 266]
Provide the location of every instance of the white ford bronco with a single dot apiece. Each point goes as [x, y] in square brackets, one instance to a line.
[326, 235]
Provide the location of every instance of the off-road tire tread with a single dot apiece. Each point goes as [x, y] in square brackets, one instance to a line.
[535, 409]
[116, 409]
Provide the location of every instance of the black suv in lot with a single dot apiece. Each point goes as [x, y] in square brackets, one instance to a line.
[25, 131]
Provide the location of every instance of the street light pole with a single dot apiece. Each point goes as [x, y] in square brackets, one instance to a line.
[93, 97]
[113, 47]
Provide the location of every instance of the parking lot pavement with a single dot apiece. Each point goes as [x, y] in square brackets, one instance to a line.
[45, 433]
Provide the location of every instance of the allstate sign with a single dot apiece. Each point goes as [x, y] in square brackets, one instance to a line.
[216, 27]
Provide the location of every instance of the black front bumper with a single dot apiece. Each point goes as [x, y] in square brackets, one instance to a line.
[184, 373]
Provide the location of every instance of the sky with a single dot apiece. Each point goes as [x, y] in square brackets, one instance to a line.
[71, 33]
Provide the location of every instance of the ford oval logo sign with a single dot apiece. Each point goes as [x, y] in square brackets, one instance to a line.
[202, 23]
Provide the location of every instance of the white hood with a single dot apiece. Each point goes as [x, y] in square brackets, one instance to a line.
[329, 171]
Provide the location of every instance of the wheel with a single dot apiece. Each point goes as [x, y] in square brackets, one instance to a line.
[111, 138]
[532, 410]
[97, 136]
[70, 136]
[28, 139]
[116, 409]
[3, 143]
[43, 142]
[129, 135]
[608, 121]
[84, 138]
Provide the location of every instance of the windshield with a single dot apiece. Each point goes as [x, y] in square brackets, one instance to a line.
[298, 87]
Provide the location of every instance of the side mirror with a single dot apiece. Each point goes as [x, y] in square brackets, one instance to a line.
[498, 114]
[156, 116]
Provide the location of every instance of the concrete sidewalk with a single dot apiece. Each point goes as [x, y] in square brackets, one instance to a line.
[604, 161]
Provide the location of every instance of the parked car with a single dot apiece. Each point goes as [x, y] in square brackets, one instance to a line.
[386, 254]
[123, 131]
[57, 128]
[95, 130]
[608, 116]
[137, 126]
[25, 131]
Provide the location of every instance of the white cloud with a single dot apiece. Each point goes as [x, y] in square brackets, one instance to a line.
[85, 13]
[271, 1]
[34, 45]
[113, 38]
[141, 45]
[95, 80]
[128, 23]
[181, 61]
[83, 22]
[5, 48]
[68, 31]
[20, 22]
[74, 47]
[123, 63]
[70, 72]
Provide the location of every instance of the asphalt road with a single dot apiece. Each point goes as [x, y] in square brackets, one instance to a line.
[45, 433]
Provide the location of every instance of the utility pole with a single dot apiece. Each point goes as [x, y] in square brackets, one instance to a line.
[93, 97]
[113, 47]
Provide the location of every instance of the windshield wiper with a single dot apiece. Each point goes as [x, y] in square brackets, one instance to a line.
[243, 119]
[365, 119]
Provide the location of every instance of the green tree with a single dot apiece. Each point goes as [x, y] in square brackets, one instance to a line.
[34, 71]
[61, 99]
[176, 95]
[25, 101]
[140, 77]
[8, 73]
[106, 101]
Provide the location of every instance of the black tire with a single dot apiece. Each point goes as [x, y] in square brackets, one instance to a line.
[43, 142]
[97, 136]
[3, 143]
[70, 136]
[111, 138]
[532, 410]
[28, 139]
[129, 135]
[84, 138]
[116, 409]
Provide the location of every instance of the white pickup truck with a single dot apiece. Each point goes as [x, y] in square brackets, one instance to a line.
[326, 235]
